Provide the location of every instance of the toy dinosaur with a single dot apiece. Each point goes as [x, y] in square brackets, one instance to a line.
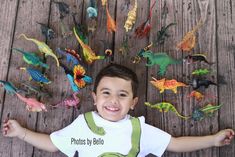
[63, 8]
[80, 79]
[32, 104]
[111, 24]
[196, 58]
[197, 95]
[36, 75]
[65, 31]
[124, 46]
[43, 47]
[139, 55]
[164, 84]
[131, 18]
[199, 82]
[81, 30]
[70, 57]
[144, 29]
[31, 58]
[69, 74]
[200, 72]
[9, 87]
[104, 2]
[69, 102]
[207, 111]
[189, 40]
[163, 34]
[165, 106]
[37, 91]
[92, 9]
[47, 31]
[88, 53]
[161, 59]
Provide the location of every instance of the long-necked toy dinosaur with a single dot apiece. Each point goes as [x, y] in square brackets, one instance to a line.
[31, 58]
[161, 59]
[43, 47]
[165, 107]
[88, 53]
[32, 104]
[164, 84]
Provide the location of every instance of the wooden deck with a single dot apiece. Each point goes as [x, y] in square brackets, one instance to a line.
[215, 39]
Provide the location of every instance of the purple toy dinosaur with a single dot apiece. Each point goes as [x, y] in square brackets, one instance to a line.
[69, 102]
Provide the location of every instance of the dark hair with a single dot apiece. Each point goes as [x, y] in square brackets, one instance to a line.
[117, 70]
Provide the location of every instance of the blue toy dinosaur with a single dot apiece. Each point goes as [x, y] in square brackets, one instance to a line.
[31, 58]
[9, 87]
[69, 57]
[161, 59]
[36, 75]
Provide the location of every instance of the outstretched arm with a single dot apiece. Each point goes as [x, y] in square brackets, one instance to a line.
[12, 128]
[188, 144]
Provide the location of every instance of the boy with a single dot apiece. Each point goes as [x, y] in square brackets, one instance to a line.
[111, 131]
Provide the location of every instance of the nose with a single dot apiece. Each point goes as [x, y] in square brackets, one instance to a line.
[114, 99]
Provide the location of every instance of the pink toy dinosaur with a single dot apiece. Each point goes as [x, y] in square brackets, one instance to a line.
[32, 104]
[69, 102]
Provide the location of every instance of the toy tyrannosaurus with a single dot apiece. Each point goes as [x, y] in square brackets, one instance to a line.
[164, 84]
[165, 106]
[43, 47]
[161, 59]
[32, 104]
[31, 58]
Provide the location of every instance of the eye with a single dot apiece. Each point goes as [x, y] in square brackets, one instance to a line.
[123, 95]
[105, 93]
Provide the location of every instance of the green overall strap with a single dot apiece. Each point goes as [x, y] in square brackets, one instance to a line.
[135, 137]
[91, 124]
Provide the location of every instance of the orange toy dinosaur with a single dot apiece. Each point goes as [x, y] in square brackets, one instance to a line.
[167, 84]
[32, 104]
[189, 40]
[111, 25]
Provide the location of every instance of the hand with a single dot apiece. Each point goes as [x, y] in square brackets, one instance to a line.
[223, 137]
[11, 128]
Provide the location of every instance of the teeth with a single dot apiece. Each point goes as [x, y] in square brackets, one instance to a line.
[112, 108]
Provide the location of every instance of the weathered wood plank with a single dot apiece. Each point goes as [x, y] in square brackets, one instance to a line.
[28, 13]
[226, 68]
[205, 43]
[8, 11]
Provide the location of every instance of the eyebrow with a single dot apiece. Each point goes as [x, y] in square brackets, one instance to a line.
[102, 89]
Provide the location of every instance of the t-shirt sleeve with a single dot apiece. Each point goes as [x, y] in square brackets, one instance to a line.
[62, 138]
[154, 140]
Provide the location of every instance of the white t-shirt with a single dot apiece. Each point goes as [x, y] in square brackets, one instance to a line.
[78, 137]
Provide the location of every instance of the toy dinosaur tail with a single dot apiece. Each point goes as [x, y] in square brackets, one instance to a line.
[147, 104]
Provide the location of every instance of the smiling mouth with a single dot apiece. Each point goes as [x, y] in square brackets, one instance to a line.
[112, 109]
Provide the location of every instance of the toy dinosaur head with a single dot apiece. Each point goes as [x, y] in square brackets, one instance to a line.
[147, 54]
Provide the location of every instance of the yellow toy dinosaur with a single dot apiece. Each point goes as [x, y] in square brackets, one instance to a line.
[43, 47]
[88, 53]
[167, 84]
[131, 18]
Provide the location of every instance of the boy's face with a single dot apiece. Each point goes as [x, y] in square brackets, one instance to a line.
[114, 98]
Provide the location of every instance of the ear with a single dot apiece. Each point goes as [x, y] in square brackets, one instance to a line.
[135, 101]
[94, 97]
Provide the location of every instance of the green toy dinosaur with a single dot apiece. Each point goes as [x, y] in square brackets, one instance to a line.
[43, 47]
[31, 58]
[161, 59]
[200, 72]
[165, 106]
[9, 87]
